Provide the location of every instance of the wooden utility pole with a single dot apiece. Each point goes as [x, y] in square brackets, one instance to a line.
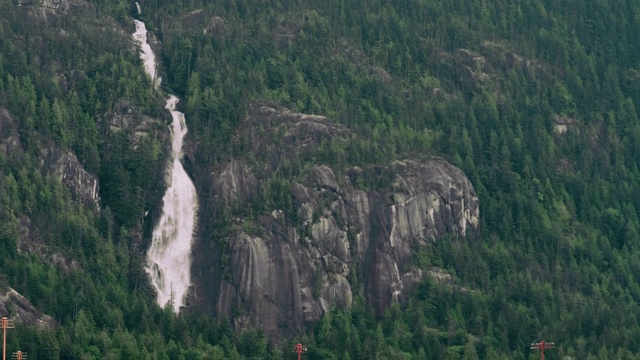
[542, 346]
[6, 324]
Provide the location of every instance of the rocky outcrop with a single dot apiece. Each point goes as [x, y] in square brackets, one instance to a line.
[49, 4]
[65, 165]
[32, 241]
[20, 310]
[53, 160]
[202, 22]
[125, 116]
[281, 270]
[9, 139]
[236, 181]
[500, 54]
[216, 26]
[485, 66]
[564, 124]
[360, 59]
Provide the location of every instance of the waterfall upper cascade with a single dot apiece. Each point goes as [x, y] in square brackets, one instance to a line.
[169, 256]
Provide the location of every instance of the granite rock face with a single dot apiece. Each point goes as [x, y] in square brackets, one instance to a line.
[126, 117]
[281, 270]
[65, 165]
[20, 309]
[49, 4]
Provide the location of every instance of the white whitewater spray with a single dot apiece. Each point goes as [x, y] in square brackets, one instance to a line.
[169, 256]
[147, 55]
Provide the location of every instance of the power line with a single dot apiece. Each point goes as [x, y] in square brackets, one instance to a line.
[19, 355]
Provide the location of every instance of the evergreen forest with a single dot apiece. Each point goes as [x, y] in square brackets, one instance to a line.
[535, 100]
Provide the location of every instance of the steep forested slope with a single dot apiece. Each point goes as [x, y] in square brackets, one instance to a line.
[536, 101]
[75, 105]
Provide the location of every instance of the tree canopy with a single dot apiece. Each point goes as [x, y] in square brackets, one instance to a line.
[535, 100]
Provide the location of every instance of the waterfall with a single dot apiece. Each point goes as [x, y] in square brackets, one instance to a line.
[147, 55]
[139, 10]
[169, 256]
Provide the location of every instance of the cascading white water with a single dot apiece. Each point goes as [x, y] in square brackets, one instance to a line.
[169, 256]
[147, 55]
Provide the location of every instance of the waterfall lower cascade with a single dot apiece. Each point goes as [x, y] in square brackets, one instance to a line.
[169, 256]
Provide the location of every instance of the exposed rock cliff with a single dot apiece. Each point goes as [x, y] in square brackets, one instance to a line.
[19, 309]
[65, 165]
[53, 160]
[284, 269]
[201, 21]
[50, 4]
[9, 139]
[125, 116]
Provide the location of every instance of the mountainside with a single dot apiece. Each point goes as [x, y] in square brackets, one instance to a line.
[477, 161]
[327, 231]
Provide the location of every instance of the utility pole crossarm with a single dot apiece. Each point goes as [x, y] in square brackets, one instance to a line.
[542, 346]
[19, 355]
[299, 348]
